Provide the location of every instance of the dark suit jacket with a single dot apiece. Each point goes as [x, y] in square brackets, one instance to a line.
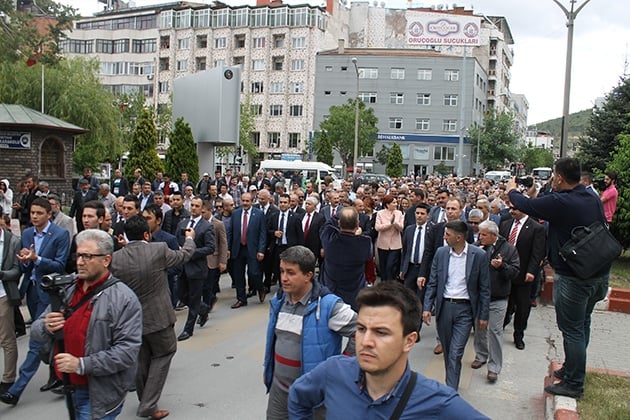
[272, 226]
[142, 266]
[407, 243]
[297, 210]
[477, 281]
[76, 210]
[295, 233]
[256, 233]
[530, 245]
[434, 241]
[11, 267]
[197, 266]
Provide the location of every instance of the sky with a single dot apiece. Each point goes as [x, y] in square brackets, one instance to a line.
[601, 46]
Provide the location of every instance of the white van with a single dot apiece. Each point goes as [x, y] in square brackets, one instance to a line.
[497, 176]
[308, 170]
[542, 173]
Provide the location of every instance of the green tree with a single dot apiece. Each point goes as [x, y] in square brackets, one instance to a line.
[497, 140]
[621, 221]
[143, 147]
[181, 155]
[441, 169]
[607, 123]
[534, 157]
[247, 125]
[130, 106]
[323, 148]
[382, 156]
[394, 167]
[339, 128]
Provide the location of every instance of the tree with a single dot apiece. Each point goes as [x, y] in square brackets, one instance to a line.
[621, 221]
[535, 157]
[339, 128]
[181, 155]
[323, 148]
[394, 162]
[143, 147]
[607, 123]
[497, 139]
[246, 128]
[382, 156]
[441, 169]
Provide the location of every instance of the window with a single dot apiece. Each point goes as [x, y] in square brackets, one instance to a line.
[256, 138]
[297, 65]
[238, 60]
[296, 87]
[298, 42]
[166, 19]
[200, 63]
[202, 41]
[164, 64]
[423, 98]
[51, 158]
[220, 43]
[165, 42]
[273, 140]
[121, 46]
[294, 140]
[396, 98]
[275, 110]
[259, 17]
[182, 18]
[239, 41]
[296, 110]
[218, 63]
[368, 73]
[450, 100]
[278, 41]
[278, 63]
[140, 46]
[201, 18]
[298, 17]
[277, 87]
[397, 73]
[258, 65]
[278, 16]
[220, 18]
[395, 123]
[423, 124]
[256, 109]
[183, 44]
[451, 75]
[182, 65]
[258, 42]
[257, 87]
[368, 97]
[425, 74]
[163, 87]
[104, 46]
[444, 153]
[449, 125]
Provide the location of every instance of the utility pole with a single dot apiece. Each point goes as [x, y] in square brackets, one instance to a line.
[356, 122]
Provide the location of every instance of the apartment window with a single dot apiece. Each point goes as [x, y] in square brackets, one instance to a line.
[258, 65]
[296, 87]
[295, 110]
[397, 73]
[297, 65]
[121, 46]
[396, 98]
[200, 63]
[104, 46]
[256, 138]
[259, 17]
[256, 109]
[258, 42]
[451, 75]
[423, 99]
[425, 74]
[275, 110]
[368, 73]
[449, 125]
[218, 63]
[239, 41]
[182, 65]
[202, 41]
[220, 43]
[238, 60]
[444, 153]
[183, 18]
[450, 100]
[257, 87]
[395, 123]
[278, 41]
[163, 87]
[298, 42]
[183, 44]
[201, 18]
[368, 97]
[220, 18]
[164, 64]
[294, 140]
[273, 140]
[423, 124]
[276, 87]
[139, 46]
[278, 63]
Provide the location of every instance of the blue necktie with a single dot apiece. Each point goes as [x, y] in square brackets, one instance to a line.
[416, 251]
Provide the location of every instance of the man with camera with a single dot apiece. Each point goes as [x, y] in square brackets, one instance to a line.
[101, 321]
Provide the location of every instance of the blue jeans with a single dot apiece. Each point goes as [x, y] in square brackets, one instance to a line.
[83, 408]
[574, 300]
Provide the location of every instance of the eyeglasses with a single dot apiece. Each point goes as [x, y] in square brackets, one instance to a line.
[219, 207]
[88, 257]
[473, 223]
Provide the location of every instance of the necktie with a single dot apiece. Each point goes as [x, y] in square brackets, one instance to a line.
[416, 250]
[192, 223]
[244, 229]
[513, 232]
[281, 228]
[306, 226]
[332, 212]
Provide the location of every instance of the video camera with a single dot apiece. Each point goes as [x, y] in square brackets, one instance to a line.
[54, 281]
[525, 181]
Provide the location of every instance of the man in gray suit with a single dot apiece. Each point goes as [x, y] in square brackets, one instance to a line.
[143, 265]
[9, 296]
[459, 285]
[59, 217]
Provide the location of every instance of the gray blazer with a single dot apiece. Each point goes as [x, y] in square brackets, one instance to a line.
[10, 273]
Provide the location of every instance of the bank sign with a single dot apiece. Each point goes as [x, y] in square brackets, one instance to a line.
[442, 29]
[15, 140]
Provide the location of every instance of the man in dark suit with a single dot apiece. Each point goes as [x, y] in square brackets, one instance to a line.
[130, 207]
[269, 209]
[330, 210]
[195, 271]
[414, 242]
[438, 212]
[459, 286]
[247, 239]
[294, 205]
[417, 197]
[143, 267]
[9, 296]
[278, 242]
[146, 196]
[82, 196]
[528, 236]
[304, 228]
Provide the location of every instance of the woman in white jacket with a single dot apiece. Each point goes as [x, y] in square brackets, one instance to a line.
[6, 197]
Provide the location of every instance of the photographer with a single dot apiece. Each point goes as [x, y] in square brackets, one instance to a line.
[100, 357]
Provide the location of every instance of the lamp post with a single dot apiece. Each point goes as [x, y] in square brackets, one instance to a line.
[356, 121]
[571, 15]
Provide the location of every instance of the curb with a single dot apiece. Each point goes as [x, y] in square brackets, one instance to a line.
[558, 407]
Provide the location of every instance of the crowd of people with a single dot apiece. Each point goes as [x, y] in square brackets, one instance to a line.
[467, 251]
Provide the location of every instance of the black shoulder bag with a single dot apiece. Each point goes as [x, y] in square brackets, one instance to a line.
[405, 396]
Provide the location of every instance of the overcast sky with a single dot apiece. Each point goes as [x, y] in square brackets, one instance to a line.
[600, 47]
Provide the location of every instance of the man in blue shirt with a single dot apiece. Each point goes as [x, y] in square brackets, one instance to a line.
[371, 385]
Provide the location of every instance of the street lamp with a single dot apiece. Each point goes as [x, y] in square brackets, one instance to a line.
[571, 15]
[356, 121]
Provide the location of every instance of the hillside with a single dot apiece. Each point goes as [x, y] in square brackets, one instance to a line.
[578, 123]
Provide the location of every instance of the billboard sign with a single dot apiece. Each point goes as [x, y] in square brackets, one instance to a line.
[15, 140]
[442, 29]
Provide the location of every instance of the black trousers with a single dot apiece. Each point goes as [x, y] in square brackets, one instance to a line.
[519, 305]
[189, 290]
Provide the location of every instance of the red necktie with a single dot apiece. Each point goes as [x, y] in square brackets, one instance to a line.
[306, 226]
[513, 232]
[244, 229]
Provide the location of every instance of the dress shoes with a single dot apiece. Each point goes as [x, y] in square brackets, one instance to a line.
[159, 414]
[8, 398]
[238, 304]
[4, 386]
[184, 336]
[51, 385]
[261, 295]
[438, 349]
[476, 364]
[203, 319]
[519, 343]
[561, 388]
[559, 373]
[492, 377]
